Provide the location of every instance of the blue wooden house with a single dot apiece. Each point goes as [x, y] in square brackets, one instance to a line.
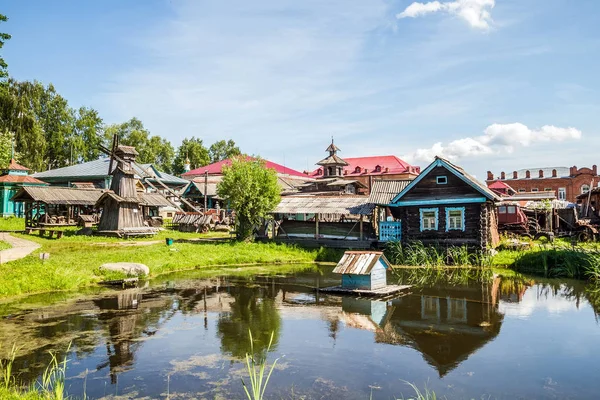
[363, 270]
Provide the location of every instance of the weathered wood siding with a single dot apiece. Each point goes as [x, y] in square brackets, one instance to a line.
[378, 276]
[429, 189]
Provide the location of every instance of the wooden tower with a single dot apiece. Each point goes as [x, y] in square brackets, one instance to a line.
[121, 211]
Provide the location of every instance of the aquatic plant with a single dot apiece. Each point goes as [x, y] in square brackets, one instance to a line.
[417, 254]
[256, 371]
[431, 276]
[556, 262]
[426, 394]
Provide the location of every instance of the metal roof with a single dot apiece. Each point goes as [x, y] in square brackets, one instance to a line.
[99, 169]
[359, 262]
[344, 205]
[383, 191]
[58, 195]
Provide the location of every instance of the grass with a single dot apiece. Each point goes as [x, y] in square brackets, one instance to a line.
[417, 254]
[12, 224]
[4, 245]
[74, 261]
[576, 263]
[256, 368]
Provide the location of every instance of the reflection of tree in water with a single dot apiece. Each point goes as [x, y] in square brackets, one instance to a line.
[254, 309]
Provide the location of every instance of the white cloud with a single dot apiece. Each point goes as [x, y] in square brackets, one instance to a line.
[496, 138]
[475, 12]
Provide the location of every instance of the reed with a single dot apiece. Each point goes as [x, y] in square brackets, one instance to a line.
[555, 262]
[256, 370]
[426, 394]
[417, 254]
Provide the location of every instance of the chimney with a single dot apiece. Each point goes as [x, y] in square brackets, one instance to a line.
[554, 173]
[541, 173]
[387, 169]
[490, 176]
[502, 175]
[573, 171]
[366, 170]
[595, 169]
[527, 174]
[515, 175]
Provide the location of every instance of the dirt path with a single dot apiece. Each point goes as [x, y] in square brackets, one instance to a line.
[20, 248]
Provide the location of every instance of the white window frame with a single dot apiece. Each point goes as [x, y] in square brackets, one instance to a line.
[422, 224]
[562, 193]
[535, 190]
[521, 190]
[548, 190]
[461, 219]
[441, 180]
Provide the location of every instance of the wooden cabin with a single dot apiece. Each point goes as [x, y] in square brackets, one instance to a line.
[363, 270]
[445, 206]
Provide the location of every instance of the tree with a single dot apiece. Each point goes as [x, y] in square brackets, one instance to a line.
[87, 135]
[252, 190]
[3, 38]
[194, 150]
[222, 150]
[153, 149]
[6, 148]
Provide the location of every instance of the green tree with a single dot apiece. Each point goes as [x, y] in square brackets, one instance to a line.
[3, 66]
[252, 191]
[194, 150]
[87, 135]
[6, 148]
[222, 150]
[153, 149]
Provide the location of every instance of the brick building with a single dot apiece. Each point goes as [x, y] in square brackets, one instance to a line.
[566, 183]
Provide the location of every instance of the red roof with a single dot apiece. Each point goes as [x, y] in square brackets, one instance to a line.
[499, 185]
[217, 168]
[20, 179]
[16, 167]
[387, 165]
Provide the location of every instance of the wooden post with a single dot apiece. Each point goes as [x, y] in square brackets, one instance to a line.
[205, 190]
[316, 226]
[361, 227]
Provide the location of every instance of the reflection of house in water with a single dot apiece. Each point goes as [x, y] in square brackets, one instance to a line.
[446, 325]
[125, 324]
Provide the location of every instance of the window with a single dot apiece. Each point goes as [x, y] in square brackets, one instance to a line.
[357, 170]
[585, 189]
[562, 193]
[455, 219]
[521, 190]
[548, 190]
[378, 169]
[429, 219]
[502, 209]
[511, 210]
[441, 180]
[535, 190]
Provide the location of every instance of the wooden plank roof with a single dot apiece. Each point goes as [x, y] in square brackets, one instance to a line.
[58, 195]
[383, 191]
[343, 205]
[359, 262]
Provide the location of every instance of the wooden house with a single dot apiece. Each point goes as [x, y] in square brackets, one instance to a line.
[445, 206]
[363, 270]
[13, 178]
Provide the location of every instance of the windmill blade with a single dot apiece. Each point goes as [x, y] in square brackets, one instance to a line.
[115, 143]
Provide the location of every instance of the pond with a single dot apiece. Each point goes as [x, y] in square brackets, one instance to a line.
[182, 337]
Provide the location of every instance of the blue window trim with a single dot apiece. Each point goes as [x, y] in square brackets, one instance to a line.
[405, 203]
[448, 209]
[437, 219]
[444, 178]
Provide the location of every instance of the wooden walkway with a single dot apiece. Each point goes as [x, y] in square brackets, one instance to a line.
[387, 291]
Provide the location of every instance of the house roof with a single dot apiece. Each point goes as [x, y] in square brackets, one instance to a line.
[13, 166]
[359, 262]
[98, 169]
[499, 185]
[457, 171]
[21, 179]
[388, 165]
[333, 159]
[217, 169]
[58, 195]
[343, 205]
[383, 191]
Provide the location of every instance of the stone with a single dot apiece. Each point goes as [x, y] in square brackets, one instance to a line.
[132, 269]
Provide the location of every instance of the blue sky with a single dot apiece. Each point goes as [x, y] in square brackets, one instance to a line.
[493, 85]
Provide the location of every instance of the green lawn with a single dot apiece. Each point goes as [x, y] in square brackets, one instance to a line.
[74, 260]
[4, 245]
[12, 224]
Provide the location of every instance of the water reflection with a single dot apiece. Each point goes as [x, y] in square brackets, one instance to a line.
[119, 335]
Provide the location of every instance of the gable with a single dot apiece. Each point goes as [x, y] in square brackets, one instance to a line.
[428, 188]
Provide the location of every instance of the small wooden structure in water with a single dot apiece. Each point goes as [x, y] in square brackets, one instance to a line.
[364, 273]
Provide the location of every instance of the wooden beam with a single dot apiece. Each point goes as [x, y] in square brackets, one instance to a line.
[316, 226]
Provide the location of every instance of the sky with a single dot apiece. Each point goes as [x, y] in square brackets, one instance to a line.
[492, 85]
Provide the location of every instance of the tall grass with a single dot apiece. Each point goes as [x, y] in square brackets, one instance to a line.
[50, 386]
[417, 254]
[256, 371]
[426, 394]
[575, 263]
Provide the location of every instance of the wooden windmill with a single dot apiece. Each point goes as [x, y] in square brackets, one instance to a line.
[121, 211]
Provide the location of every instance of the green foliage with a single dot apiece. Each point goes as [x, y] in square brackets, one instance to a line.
[430, 276]
[417, 254]
[152, 149]
[252, 191]
[194, 150]
[3, 38]
[222, 150]
[12, 224]
[577, 263]
[256, 371]
[6, 148]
